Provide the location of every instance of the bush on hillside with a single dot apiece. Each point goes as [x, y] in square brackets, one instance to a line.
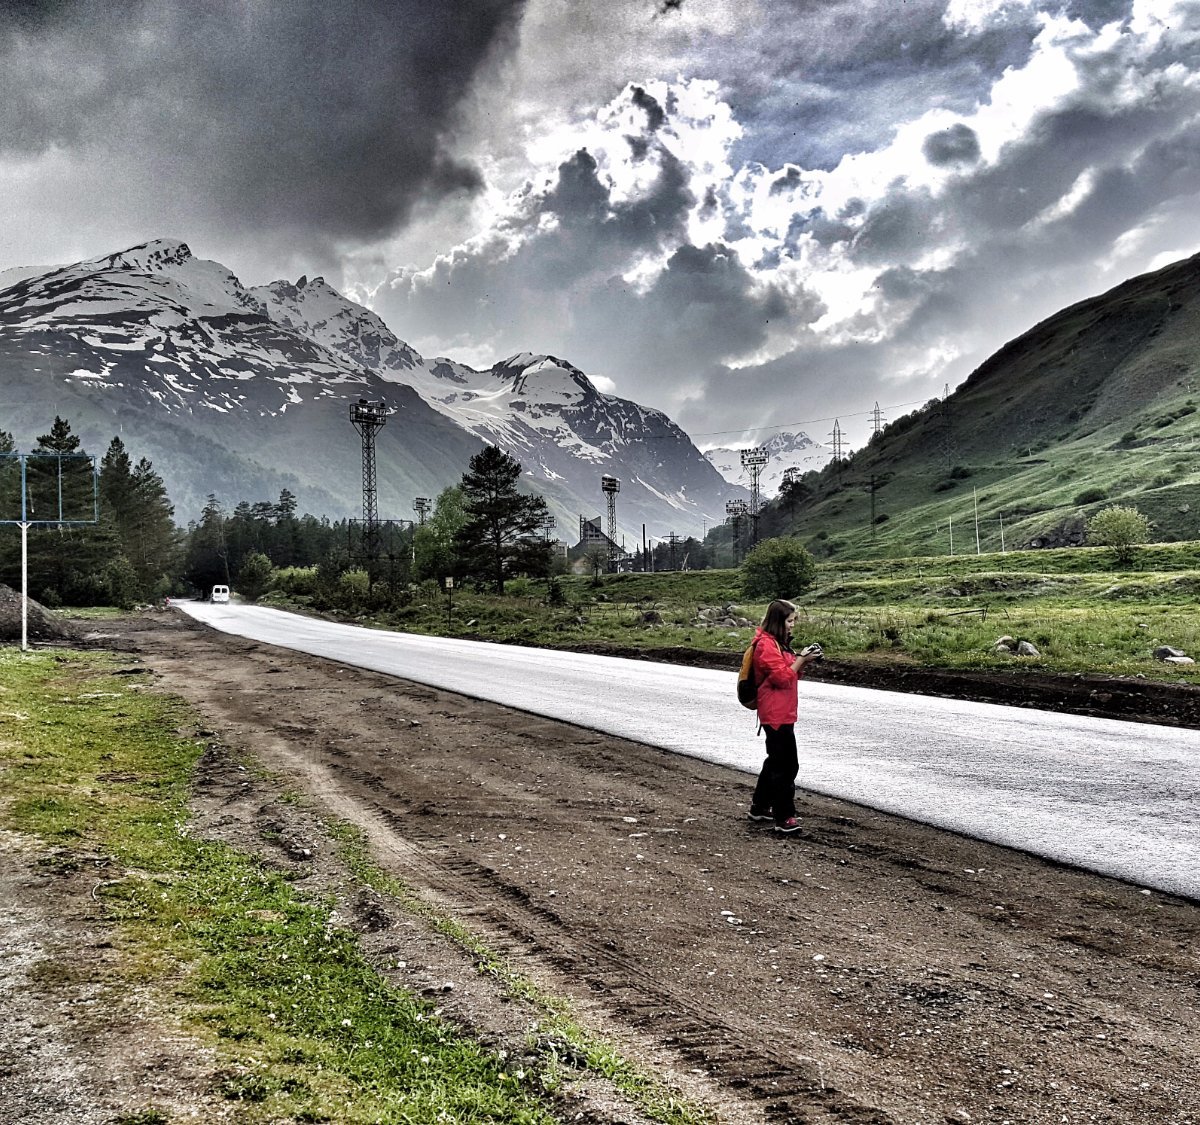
[1091, 496]
[777, 568]
[1119, 528]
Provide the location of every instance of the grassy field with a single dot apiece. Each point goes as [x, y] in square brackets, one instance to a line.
[306, 1029]
[1072, 604]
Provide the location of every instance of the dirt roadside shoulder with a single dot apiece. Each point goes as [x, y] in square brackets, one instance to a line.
[873, 970]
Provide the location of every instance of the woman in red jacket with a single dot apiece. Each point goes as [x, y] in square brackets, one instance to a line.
[777, 671]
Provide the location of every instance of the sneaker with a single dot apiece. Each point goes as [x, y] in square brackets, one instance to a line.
[760, 814]
[792, 824]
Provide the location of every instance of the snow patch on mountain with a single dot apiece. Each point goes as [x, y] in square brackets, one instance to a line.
[785, 450]
[152, 330]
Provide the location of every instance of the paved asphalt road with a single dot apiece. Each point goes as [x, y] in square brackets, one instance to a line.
[1118, 798]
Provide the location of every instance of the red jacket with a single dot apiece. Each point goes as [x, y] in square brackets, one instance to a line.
[776, 681]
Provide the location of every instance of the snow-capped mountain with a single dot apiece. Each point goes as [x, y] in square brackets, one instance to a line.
[542, 410]
[241, 392]
[784, 450]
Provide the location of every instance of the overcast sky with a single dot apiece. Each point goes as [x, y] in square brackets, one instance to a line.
[749, 214]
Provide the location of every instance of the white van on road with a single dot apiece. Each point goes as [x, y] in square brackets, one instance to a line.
[220, 594]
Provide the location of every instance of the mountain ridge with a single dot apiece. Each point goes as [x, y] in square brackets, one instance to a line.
[152, 333]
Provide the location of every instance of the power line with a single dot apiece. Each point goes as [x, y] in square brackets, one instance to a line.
[813, 421]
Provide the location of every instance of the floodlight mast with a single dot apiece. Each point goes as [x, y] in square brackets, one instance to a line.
[368, 417]
[610, 486]
[754, 459]
[421, 507]
[735, 512]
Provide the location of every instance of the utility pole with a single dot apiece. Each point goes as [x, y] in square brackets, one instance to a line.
[876, 481]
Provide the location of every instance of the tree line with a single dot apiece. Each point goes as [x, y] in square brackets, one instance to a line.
[482, 531]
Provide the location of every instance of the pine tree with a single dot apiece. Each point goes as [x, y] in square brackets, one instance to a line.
[502, 533]
[207, 562]
[155, 543]
[68, 552]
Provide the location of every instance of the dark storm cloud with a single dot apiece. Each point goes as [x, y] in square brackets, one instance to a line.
[789, 181]
[525, 286]
[956, 145]
[900, 225]
[704, 306]
[655, 115]
[320, 117]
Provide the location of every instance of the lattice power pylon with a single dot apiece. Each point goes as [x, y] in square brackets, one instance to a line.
[836, 438]
[367, 418]
[754, 460]
[610, 486]
[421, 506]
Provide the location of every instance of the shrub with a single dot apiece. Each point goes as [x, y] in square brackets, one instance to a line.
[299, 581]
[1091, 496]
[254, 578]
[960, 472]
[777, 568]
[1119, 528]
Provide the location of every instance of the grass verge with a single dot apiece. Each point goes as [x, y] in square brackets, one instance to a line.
[305, 1028]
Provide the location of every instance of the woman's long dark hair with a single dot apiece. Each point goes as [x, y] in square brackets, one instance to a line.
[775, 621]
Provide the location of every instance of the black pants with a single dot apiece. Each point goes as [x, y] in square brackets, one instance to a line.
[776, 788]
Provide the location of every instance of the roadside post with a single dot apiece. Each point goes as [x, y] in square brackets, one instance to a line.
[449, 602]
[60, 501]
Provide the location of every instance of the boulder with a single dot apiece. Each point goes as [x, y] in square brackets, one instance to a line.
[1025, 648]
[1165, 652]
[1178, 660]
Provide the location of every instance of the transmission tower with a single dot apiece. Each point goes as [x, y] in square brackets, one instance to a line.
[673, 542]
[421, 507]
[610, 486]
[368, 417]
[877, 418]
[754, 460]
[836, 438]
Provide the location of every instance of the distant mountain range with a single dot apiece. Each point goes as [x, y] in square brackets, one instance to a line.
[784, 451]
[241, 392]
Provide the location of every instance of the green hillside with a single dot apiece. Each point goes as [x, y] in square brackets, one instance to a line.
[1094, 406]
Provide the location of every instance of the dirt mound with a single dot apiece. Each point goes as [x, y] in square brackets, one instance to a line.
[40, 625]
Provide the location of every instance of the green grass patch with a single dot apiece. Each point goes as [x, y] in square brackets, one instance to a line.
[306, 1029]
[558, 1037]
